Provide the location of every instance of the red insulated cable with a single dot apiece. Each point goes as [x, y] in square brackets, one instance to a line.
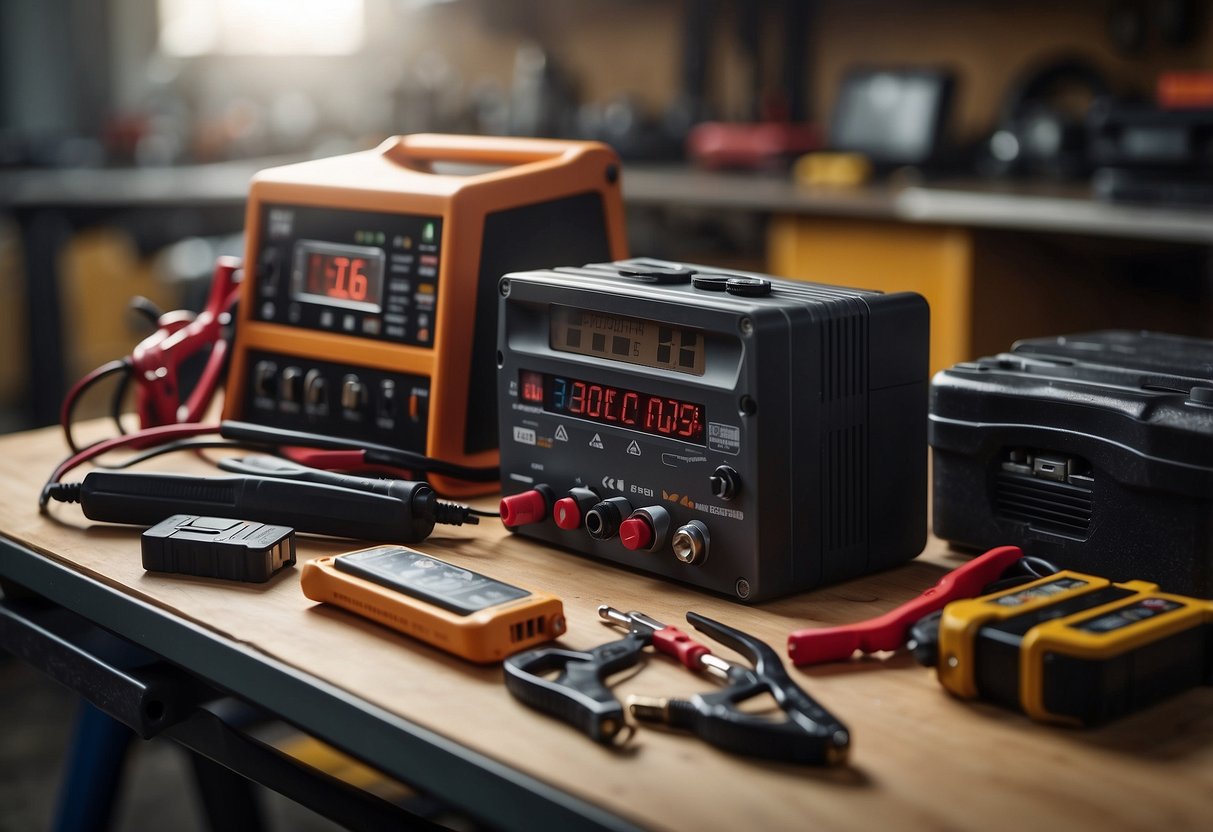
[132, 441]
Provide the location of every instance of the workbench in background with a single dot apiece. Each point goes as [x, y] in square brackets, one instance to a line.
[995, 262]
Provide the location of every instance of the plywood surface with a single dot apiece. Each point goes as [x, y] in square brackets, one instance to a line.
[920, 760]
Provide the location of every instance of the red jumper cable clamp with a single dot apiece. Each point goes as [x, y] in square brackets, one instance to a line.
[817, 645]
[155, 362]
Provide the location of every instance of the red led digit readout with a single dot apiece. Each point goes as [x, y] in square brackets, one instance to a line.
[659, 415]
[336, 276]
[532, 387]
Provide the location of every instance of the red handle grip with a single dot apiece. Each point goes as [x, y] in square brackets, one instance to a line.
[888, 631]
[676, 643]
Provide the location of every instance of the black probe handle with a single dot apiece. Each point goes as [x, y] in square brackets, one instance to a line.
[146, 499]
[577, 696]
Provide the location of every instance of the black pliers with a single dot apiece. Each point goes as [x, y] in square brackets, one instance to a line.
[808, 734]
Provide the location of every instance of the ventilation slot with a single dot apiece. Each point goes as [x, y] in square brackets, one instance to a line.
[843, 358]
[524, 630]
[1057, 507]
[844, 468]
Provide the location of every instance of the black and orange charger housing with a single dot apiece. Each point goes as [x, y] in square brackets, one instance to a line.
[368, 308]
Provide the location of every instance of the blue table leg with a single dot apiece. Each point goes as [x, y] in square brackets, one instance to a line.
[92, 772]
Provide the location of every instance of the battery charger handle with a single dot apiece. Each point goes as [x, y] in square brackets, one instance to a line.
[421, 150]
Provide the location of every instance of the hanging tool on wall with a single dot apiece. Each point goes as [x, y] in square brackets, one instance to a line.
[808, 734]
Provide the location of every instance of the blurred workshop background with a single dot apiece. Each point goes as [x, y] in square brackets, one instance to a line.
[1034, 168]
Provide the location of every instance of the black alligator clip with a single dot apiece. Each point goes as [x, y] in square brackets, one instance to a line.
[809, 734]
[578, 695]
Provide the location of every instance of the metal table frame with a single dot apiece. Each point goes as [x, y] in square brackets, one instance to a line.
[485, 789]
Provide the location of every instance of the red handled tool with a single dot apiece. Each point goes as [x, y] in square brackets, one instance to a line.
[817, 645]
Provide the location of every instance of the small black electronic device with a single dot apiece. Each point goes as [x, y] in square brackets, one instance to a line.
[1147, 153]
[744, 434]
[1093, 451]
[218, 547]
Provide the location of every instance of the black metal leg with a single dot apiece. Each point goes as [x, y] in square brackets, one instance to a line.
[230, 801]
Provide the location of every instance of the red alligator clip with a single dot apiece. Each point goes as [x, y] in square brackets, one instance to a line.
[157, 358]
[888, 632]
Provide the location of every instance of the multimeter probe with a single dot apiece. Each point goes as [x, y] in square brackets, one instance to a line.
[397, 510]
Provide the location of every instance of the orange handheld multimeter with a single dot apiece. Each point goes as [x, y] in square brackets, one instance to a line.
[368, 308]
[454, 609]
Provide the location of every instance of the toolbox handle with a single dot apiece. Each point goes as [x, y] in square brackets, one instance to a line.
[420, 150]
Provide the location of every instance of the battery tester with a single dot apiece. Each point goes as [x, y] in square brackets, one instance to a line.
[368, 306]
[1070, 648]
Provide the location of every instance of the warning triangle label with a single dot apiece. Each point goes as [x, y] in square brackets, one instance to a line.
[634, 448]
[596, 442]
[562, 435]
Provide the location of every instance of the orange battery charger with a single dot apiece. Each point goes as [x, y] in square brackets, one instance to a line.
[369, 304]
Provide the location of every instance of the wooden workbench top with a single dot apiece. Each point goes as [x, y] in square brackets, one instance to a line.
[920, 759]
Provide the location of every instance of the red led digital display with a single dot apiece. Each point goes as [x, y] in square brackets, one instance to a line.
[610, 405]
[339, 275]
[342, 278]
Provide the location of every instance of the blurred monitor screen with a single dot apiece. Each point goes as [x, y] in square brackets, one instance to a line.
[891, 116]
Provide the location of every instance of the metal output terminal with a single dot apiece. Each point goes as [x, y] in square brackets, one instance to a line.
[690, 542]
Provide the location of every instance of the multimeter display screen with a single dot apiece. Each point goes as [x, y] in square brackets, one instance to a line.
[445, 585]
[338, 275]
[610, 405]
[622, 338]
